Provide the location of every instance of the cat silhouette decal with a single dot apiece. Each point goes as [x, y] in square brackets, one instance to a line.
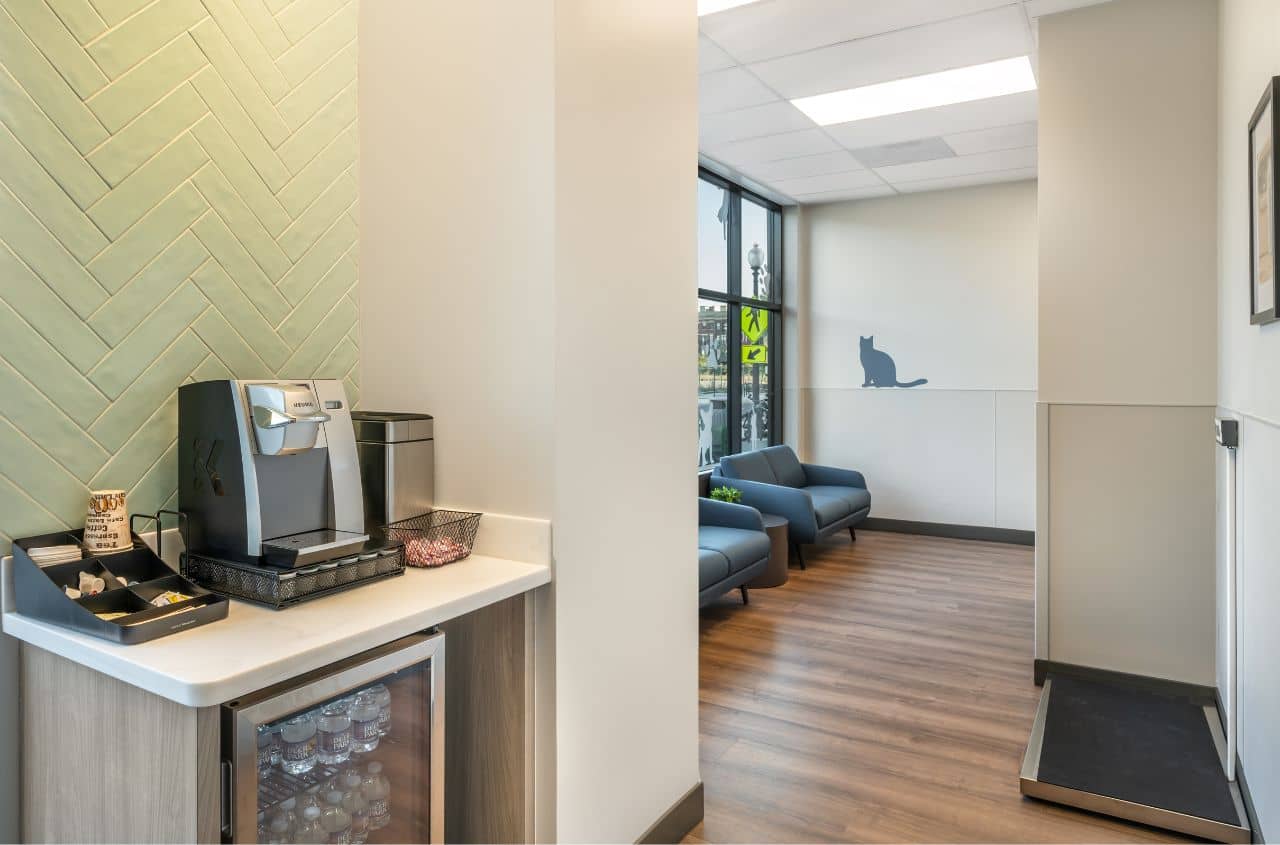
[878, 368]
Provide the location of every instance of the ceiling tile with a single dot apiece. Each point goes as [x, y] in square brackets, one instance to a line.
[844, 195]
[960, 165]
[769, 119]
[734, 88]
[1016, 175]
[829, 182]
[771, 147]
[711, 57]
[795, 168]
[773, 28]
[946, 120]
[995, 34]
[996, 138]
[1038, 8]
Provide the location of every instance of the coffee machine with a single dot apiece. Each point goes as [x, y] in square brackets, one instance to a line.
[267, 471]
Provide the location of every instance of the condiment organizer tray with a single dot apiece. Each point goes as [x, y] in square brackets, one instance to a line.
[132, 578]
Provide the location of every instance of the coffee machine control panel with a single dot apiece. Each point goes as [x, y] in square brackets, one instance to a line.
[286, 417]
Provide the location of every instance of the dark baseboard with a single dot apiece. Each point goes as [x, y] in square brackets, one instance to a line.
[1255, 831]
[956, 532]
[1196, 692]
[1241, 782]
[682, 817]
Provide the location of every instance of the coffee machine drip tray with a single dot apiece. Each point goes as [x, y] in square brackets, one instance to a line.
[309, 547]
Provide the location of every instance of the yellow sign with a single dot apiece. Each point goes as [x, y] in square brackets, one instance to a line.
[755, 354]
[755, 322]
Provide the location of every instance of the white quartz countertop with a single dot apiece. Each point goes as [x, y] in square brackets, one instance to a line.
[255, 647]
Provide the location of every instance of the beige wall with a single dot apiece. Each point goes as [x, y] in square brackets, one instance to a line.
[494, 288]
[1249, 390]
[946, 283]
[1128, 337]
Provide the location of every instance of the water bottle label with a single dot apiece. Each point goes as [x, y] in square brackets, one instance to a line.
[378, 808]
[365, 731]
[335, 743]
[341, 837]
[296, 752]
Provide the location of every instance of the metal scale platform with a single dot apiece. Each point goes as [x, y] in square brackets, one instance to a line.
[1144, 756]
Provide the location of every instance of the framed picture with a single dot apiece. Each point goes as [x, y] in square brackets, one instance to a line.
[1264, 222]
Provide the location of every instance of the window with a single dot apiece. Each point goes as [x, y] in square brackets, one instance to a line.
[739, 319]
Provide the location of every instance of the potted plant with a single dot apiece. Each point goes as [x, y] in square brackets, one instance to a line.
[727, 494]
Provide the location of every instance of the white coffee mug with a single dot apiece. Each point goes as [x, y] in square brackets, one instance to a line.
[106, 526]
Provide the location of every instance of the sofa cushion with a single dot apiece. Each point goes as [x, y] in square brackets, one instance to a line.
[740, 546]
[713, 568]
[829, 504]
[749, 466]
[785, 465]
[857, 498]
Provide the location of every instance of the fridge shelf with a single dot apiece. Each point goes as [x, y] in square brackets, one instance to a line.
[131, 578]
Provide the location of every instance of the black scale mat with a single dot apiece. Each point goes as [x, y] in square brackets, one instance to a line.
[1134, 745]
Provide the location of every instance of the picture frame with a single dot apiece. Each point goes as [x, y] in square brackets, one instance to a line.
[1264, 217]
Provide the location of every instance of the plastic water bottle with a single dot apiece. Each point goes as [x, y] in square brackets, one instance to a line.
[382, 695]
[309, 831]
[377, 791]
[335, 819]
[333, 734]
[364, 723]
[356, 805]
[281, 824]
[298, 744]
[266, 740]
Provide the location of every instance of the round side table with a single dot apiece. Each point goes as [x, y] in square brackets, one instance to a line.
[775, 574]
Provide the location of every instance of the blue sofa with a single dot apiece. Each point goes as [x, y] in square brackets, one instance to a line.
[733, 549]
[817, 501]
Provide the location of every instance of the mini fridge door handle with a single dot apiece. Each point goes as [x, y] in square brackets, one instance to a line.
[228, 812]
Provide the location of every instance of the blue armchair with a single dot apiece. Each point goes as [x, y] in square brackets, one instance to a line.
[817, 501]
[733, 548]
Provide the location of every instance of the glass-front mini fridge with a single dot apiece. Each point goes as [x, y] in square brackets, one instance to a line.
[351, 753]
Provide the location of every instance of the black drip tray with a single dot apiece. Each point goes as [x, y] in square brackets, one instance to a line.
[1129, 752]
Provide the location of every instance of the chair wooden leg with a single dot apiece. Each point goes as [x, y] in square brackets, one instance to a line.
[799, 554]
[745, 600]
[852, 536]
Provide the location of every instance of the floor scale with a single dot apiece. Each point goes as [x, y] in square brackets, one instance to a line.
[1137, 754]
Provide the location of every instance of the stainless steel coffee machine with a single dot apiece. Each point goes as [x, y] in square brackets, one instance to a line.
[267, 471]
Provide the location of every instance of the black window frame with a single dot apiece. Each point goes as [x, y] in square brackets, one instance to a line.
[736, 301]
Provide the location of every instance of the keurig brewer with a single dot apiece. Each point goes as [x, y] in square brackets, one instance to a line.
[267, 471]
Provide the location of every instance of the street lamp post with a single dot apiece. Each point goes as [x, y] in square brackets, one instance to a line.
[755, 260]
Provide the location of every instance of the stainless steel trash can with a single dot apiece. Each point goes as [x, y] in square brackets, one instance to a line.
[397, 464]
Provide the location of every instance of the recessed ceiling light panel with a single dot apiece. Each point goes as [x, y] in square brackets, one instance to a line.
[961, 85]
[710, 7]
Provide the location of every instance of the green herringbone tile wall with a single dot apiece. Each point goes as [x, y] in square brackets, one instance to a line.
[177, 202]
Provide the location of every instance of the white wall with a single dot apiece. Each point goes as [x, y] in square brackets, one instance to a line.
[493, 286]
[1128, 148]
[1249, 389]
[946, 283]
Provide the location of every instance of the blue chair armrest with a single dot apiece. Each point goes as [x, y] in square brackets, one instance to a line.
[833, 476]
[729, 515]
[790, 502]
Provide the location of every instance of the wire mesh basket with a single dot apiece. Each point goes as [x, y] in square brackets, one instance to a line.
[279, 588]
[437, 537]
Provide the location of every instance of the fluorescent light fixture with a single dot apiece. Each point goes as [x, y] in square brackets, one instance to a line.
[710, 7]
[962, 85]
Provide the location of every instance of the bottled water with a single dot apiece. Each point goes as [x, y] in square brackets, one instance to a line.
[383, 696]
[377, 791]
[309, 831]
[280, 826]
[298, 744]
[266, 738]
[333, 734]
[309, 798]
[335, 819]
[356, 805]
[364, 723]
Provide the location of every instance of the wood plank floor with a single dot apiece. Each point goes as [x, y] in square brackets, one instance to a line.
[882, 695]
